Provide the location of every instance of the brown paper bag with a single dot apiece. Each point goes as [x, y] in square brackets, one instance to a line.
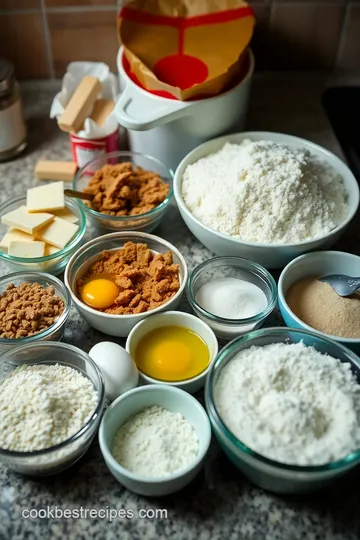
[185, 48]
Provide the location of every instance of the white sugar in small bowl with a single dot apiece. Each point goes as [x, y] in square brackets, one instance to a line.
[133, 402]
[238, 268]
[268, 255]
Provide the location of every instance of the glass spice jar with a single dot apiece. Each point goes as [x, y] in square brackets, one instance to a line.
[13, 136]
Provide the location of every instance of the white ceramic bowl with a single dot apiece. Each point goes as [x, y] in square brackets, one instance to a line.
[268, 255]
[174, 318]
[168, 129]
[118, 325]
[319, 264]
[133, 402]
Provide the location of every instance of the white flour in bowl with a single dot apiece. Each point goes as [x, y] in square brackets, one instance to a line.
[265, 192]
[43, 405]
[156, 443]
[290, 403]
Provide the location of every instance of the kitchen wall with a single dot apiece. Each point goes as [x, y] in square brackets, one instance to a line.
[42, 36]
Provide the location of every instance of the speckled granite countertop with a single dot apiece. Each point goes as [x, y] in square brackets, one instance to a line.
[220, 503]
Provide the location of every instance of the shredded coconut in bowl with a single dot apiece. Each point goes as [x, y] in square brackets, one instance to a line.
[261, 191]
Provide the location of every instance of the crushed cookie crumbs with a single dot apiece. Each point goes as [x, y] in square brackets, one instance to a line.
[27, 309]
[145, 281]
[125, 190]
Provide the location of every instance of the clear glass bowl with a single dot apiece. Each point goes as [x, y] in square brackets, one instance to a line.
[264, 472]
[56, 331]
[56, 458]
[53, 264]
[144, 222]
[232, 267]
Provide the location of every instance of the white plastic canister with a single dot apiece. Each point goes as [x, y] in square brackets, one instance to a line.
[169, 129]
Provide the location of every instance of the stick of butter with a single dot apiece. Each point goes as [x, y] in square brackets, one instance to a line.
[102, 109]
[24, 221]
[14, 235]
[55, 170]
[80, 104]
[45, 198]
[58, 233]
[26, 249]
[50, 250]
[67, 214]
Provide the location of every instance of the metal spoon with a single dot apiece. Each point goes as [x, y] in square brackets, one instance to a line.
[78, 194]
[342, 285]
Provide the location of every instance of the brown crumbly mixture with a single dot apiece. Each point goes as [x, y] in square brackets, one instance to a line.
[145, 281]
[124, 190]
[28, 309]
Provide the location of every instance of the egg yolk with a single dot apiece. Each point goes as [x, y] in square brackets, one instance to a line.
[172, 353]
[99, 293]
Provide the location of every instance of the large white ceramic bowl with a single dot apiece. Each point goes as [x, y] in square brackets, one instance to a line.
[118, 325]
[174, 318]
[268, 255]
[319, 264]
[133, 402]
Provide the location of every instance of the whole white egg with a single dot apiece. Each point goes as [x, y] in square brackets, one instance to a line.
[117, 367]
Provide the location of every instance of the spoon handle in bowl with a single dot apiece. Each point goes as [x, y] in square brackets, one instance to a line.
[78, 194]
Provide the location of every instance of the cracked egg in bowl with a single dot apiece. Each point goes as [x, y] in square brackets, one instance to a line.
[118, 279]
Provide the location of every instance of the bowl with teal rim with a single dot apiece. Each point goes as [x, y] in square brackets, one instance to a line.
[54, 332]
[317, 264]
[267, 473]
[54, 263]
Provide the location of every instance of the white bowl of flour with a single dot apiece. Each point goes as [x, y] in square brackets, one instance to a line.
[268, 197]
[154, 439]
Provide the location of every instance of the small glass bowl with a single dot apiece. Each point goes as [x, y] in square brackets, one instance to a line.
[146, 222]
[232, 267]
[56, 458]
[52, 264]
[262, 471]
[56, 331]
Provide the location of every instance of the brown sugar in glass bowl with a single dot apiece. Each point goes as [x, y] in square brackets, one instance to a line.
[37, 298]
[145, 280]
[125, 190]
[131, 191]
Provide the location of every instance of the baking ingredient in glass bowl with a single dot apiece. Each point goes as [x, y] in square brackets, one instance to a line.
[156, 443]
[41, 228]
[43, 405]
[319, 306]
[130, 280]
[126, 190]
[290, 403]
[231, 298]
[27, 309]
[172, 353]
[264, 192]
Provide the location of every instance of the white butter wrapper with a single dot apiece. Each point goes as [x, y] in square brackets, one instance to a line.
[75, 73]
